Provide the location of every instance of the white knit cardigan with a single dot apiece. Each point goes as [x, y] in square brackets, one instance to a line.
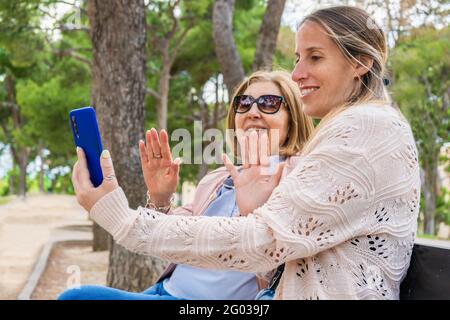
[344, 220]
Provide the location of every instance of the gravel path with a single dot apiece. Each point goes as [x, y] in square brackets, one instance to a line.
[70, 264]
[25, 227]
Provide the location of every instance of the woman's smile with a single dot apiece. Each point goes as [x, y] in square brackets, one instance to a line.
[307, 91]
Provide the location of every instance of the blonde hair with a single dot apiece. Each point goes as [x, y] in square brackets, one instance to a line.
[356, 34]
[300, 125]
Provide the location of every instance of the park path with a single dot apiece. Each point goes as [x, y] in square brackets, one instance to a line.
[26, 226]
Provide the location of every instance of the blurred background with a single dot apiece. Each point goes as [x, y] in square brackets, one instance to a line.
[167, 64]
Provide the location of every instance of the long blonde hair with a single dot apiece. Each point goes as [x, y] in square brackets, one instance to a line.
[356, 34]
[300, 125]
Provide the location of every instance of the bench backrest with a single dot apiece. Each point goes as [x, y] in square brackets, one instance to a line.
[428, 276]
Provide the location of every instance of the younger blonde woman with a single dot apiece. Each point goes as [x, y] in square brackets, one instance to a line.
[343, 220]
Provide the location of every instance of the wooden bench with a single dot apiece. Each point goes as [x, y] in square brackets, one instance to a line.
[428, 276]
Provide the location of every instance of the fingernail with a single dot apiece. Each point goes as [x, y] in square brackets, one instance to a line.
[78, 149]
[105, 154]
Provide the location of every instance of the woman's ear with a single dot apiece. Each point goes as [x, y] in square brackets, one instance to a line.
[363, 66]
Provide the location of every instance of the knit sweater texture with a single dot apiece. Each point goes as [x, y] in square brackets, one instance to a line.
[344, 220]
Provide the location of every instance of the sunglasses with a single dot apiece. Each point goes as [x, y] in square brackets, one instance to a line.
[268, 104]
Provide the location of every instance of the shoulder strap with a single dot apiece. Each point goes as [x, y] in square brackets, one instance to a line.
[276, 278]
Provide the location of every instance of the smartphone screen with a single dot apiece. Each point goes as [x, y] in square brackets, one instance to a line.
[87, 136]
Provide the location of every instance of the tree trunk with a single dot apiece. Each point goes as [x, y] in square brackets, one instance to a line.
[11, 177]
[131, 271]
[100, 241]
[430, 190]
[202, 171]
[20, 157]
[203, 168]
[118, 36]
[54, 182]
[162, 102]
[20, 153]
[168, 45]
[41, 168]
[11, 185]
[225, 47]
[23, 159]
[267, 36]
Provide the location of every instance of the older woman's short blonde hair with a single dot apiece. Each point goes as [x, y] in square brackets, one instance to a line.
[300, 125]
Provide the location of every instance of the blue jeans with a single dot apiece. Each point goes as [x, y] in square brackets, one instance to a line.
[265, 294]
[88, 292]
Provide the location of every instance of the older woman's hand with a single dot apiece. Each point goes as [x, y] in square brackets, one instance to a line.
[87, 194]
[255, 183]
[161, 174]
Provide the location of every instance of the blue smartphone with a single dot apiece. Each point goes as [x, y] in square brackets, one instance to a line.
[87, 136]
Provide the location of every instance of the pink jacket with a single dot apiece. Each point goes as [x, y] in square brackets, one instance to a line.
[205, 193]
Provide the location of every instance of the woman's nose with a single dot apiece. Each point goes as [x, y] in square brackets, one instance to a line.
[299, 73]
[254, 111]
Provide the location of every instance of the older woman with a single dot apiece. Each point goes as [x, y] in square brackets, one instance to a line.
[264, 103]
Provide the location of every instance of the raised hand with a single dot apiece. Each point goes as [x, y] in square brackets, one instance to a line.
[254, 183]
[161, 174]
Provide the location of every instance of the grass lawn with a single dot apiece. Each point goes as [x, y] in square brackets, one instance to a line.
[428, 236]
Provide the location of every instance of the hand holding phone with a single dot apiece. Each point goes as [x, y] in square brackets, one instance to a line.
[87, 136]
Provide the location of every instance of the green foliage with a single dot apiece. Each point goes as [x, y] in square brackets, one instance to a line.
[64, 185]
[196, 8]
[245, 5]
[198, 47]
[180, 108]
[16, 17]
[246, 24]
[46, 86]
[46, 105]
[61, 184]
[421, 68]
[14, 174]
[20, 46]
[4, 187]
[196, 61]
[284, 54]
[427, 236]
[421, 64]
[443, 206]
